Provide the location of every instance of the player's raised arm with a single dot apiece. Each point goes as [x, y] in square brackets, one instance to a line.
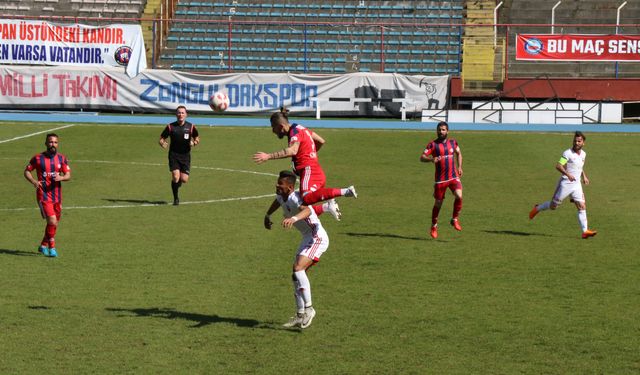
[267, 217]
[261, 157]
[317, 140]
[304, 213]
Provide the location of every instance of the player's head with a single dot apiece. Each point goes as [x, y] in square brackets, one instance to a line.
[442, 129]
[51, 141]
[578, 140]
[286, 183]
[280, 122]
[181, 113]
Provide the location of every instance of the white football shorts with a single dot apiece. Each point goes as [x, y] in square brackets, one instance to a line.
[313, 247]
[567, 188]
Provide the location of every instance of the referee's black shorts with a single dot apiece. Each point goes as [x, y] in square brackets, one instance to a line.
[180, 161]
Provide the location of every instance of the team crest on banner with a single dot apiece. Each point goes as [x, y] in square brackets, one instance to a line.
[122, 55]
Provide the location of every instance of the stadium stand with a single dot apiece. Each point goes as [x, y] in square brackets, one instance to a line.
[336, 37]
[568, 13]
[121, 9]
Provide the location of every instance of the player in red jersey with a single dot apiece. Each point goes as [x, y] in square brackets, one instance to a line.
[303, 149]
[51, 169]
[442, 153]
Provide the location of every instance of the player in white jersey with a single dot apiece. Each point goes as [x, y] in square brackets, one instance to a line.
[315, 242]
[571, 166]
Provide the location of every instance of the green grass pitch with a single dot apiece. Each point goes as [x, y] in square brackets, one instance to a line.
[204, 288]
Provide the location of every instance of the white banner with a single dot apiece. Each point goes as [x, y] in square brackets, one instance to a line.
[164, 90]
[46, 43]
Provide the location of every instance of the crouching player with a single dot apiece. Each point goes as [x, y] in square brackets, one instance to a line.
[315, 242]
[51, 169]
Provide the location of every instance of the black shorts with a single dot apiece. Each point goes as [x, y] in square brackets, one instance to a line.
[179, 161]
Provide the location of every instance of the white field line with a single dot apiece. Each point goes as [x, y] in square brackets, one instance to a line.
[32, 134]
[165, 164]
[155, 204]
[162, 165]
[146, 204]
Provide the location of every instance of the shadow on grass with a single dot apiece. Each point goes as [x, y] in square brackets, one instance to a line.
[19, 253]
[39, 307]
[139, 201]
[200, 320]
[385, 235]
[516, 233]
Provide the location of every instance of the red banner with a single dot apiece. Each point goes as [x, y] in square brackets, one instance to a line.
[557, 47]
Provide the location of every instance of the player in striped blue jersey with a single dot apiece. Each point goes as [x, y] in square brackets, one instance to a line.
[446, 156]
[51, 169]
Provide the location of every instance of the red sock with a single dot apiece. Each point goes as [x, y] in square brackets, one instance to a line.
[321, 195]
[434, 215]
[50, 233]
[457, 206]
[318, 209]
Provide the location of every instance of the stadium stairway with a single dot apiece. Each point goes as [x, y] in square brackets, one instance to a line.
[151, 10]
[479, 70]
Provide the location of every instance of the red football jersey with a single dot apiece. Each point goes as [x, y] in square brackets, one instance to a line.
[47, 167]
[307, 154]
[445, 167]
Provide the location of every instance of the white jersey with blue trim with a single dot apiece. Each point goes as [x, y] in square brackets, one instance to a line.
[310, 226]
[574, 163]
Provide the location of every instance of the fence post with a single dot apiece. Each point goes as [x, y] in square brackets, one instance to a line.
[506, 53]
[381, 49]
[553, 16]
[495, 23]
[153, 44]
[617, 25]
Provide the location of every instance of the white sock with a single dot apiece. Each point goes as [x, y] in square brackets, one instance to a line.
[304, 287]
[344, 192]
[297, 295]
[544, 206]
[582, 219]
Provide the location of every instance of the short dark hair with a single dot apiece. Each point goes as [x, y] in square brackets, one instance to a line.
[288, 175]
[50, 135]
[181, 106]
[443, 123]
[580, 134]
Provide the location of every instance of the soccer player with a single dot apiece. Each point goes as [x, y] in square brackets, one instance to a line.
[184, 136]
[315, 242]
[51, 169]
[303, 148]
[571, 168]
[442, 152]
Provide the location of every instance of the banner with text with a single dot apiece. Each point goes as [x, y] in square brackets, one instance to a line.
[164, 90]
[46, 43]
[556, 47]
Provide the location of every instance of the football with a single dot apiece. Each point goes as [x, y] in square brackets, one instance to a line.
[219, 101]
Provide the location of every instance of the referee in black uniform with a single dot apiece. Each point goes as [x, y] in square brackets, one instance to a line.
[184, 135]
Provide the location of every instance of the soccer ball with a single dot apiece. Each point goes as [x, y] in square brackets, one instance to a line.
[219, 101]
